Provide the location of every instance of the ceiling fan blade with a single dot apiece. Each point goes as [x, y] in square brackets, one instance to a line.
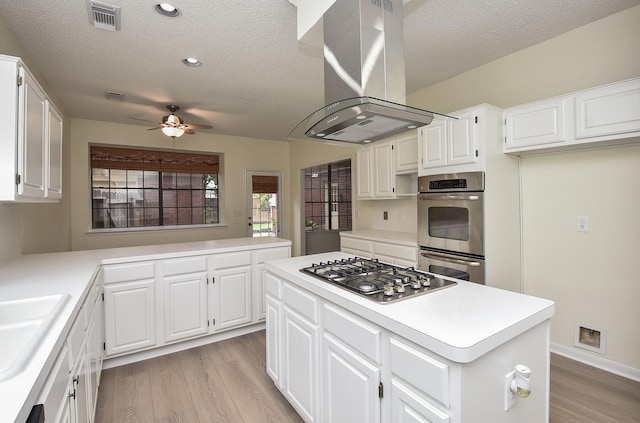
[151, 129]
[145, 120]
[188, 131]
[197, 126]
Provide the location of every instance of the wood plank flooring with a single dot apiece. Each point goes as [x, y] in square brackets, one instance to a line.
[227, 382]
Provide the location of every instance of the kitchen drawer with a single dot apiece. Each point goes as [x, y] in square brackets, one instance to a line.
[397, 251]
[273, 285]
[226, 260]
[303, 302]
[184, 265]
[354, 331]
[271, 254]
[412, 365]
[355, 244]
[128, 272]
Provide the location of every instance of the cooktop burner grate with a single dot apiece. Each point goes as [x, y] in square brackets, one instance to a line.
[375, 280]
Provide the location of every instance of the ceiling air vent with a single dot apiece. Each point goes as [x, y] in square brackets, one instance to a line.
[104, 16]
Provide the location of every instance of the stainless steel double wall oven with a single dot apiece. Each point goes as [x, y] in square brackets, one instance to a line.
[451, 225]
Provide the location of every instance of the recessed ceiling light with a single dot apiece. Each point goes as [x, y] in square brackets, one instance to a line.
[361, 117]
[411, 127]
[166, 9]
[192, 61]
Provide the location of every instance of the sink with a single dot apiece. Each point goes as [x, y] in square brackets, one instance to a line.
[23, 324]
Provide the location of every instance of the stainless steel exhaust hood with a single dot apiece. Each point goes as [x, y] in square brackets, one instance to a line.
[364, 76]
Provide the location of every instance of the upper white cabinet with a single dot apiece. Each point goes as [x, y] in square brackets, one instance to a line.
[609, 114]
[387, 169]
[460, 145]
[30, 137]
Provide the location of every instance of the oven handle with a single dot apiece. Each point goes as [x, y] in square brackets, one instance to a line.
[451, 260]
[450, 197]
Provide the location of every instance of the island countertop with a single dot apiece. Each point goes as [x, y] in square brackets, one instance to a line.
[460, 323]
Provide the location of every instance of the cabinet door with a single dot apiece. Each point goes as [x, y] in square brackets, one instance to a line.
[300, 364]
[406, 153]
[185, 306]
[383, 170]
[350, 385]
[53, 144]
[612, 109]
[129, 316]
[31, 136]
[274, 313]
[231, 297]
[461, 140]
[81, 407]
[95, 350]
[408, 407]
[536, 124]
[364, 173]
[433, 142]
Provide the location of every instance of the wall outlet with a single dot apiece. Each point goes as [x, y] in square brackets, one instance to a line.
[582, 224]
[509, 395]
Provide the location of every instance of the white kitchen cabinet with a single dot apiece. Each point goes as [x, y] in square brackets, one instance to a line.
[258, 258]
[364, 172]
[273, 287]
[608, 111]
[595, 117]
[130, 307]
[53, 154]
[376, 171]
[407, 406]
[406, 152]
[300, 349]
[30, 137]
[357, 247]
[95, 340]
[451, 146]
[184, 284]
[230, 292]
[541, 123]
[54, 395]
[351, 385]
[388, 251]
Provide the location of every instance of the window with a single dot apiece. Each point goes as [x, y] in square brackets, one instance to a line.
[142, 188]
[327, 190]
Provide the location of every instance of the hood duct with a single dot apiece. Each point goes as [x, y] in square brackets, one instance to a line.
[364, 76]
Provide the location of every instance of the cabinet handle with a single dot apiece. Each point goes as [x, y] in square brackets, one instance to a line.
[72, 395]
[76, 380]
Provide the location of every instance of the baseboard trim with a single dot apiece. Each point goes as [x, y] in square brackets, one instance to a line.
[123, 360]
[597, 362]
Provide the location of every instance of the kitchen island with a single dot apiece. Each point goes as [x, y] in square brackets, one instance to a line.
[445, 356]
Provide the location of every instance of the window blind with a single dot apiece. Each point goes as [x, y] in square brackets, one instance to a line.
[154, 160]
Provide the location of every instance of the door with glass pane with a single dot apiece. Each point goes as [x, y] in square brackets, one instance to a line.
[263, 201]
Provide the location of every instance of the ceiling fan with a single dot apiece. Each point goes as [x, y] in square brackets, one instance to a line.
[173, 126]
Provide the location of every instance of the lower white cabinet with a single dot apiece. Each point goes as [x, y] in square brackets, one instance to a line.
[184, 283]
[408, 406]
[387, 252]
[130, 318]
[257, 278]
[230, 294]
[71, 389]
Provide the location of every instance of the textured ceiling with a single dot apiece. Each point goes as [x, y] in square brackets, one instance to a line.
[256, 80]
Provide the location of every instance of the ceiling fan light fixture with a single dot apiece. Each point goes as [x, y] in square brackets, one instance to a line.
[191, 61]
[167, 9]
[173, 131]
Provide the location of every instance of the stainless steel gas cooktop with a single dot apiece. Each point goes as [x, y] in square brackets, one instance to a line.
[377, 281]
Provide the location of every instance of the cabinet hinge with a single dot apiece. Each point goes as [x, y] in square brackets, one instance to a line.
[104, 346]
[380, 390]
[476, 119]
[392, 146]
[213, 280]
[214, 322]
[17, 179]
[476, 153]
[393, 190]
[19, 81]
[103, 296]
[208, 323]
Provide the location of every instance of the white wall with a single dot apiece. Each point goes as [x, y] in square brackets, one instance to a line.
[239, 154]
[593, 277]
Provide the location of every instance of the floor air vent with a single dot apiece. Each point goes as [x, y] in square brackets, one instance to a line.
[104, 16]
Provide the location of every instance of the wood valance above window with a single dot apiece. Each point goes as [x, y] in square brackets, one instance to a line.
[264, 184]
[153, 160]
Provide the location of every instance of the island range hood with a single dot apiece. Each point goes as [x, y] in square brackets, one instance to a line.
[364, 76]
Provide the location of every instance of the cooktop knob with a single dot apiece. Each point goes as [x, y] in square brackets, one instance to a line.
[416, 284]
[388, 290]
[399, 288]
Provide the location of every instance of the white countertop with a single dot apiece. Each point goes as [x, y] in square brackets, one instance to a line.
[72, 273]
[460, 323]
[405, 238]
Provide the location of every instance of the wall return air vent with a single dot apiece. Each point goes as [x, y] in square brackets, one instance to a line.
[104, 16]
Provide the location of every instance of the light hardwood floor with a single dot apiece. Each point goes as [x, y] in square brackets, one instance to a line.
[227, 382]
